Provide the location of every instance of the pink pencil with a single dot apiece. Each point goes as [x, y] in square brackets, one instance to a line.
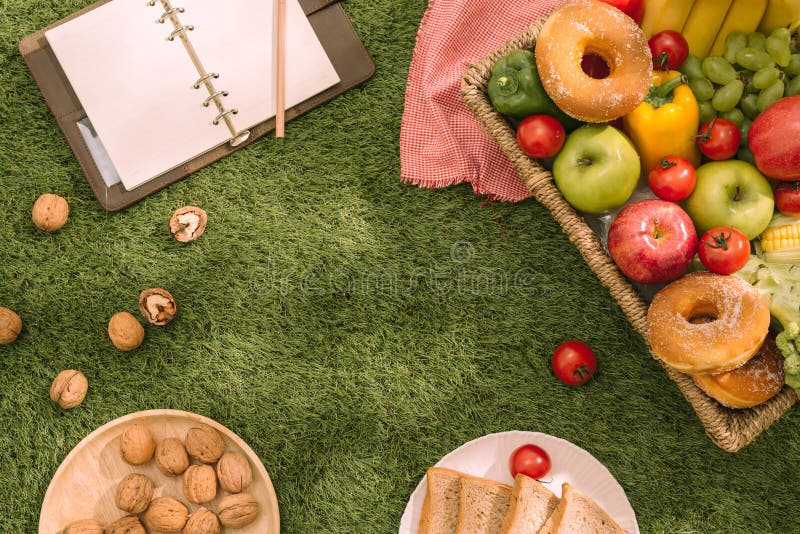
[280, 110]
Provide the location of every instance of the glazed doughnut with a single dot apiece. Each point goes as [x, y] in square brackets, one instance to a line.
[757, 381]
[707, 323]
[582, 27]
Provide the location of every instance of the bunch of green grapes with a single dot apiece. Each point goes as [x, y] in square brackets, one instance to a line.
[753, 72]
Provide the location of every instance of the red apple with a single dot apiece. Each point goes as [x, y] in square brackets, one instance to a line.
[633, 8]
[774, 139]
[652, 241]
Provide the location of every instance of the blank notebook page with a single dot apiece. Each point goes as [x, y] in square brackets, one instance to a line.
[136, 87]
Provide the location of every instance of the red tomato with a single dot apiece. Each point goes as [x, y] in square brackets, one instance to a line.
[574, 363]
[724, 250]
[530, 460]
[633, 8]
[787, 198]
[672, 179]
[669, 50]
[719, 139]
[540, 136]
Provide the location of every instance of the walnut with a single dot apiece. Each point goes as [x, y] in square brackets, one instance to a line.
[188, 223]
[125, 331]
[10, 326]
[204, 444]
[69, 388]
[237, 510]
[137, 445]
[50, 212]
[171, 457]
[126, 525]
[200, 484]
[134, 493]
[84, 526]
[234, 472]
[167, 515]
[202, 521]
[157, 306]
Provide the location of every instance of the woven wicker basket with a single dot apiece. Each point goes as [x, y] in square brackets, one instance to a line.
[729, 429]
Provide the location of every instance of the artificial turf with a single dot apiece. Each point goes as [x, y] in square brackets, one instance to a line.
[351, 328]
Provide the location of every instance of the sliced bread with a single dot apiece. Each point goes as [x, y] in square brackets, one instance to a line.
[577, 513]
[442, 501]
[484, 505]
[531, 505]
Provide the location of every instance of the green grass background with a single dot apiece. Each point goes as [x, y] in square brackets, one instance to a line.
[351, 328]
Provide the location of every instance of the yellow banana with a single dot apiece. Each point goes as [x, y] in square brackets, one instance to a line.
[779, 13]
[703, 25]
[662, 15]
[743, 15]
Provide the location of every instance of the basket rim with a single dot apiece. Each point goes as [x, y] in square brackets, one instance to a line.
[729, 429]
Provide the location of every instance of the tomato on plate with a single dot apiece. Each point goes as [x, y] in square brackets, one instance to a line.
[633, 8]
[673, 179]
[574, 363]
[669, 50]
[540, 136]
[719, 139]
[530, 460]
[787, 198]
[724, 250]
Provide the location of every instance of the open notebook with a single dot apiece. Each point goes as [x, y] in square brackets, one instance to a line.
[143, 94]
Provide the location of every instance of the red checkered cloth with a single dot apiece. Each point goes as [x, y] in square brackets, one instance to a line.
[441, 141]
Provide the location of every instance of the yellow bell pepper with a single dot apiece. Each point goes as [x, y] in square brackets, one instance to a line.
[665, 124]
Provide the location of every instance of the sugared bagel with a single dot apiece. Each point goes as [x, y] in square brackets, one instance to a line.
[581, 27]
[755, 382]
[707, 323]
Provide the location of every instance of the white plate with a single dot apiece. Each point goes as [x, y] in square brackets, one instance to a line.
[488, 457]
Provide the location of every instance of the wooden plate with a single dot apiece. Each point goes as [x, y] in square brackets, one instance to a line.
[85, 482]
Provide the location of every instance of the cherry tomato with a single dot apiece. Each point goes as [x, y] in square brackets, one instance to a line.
[724, 250]
[787, 198]
[633, 8]
[530, 460]
[540, 136]
[672, 179]
[719, 139]
[669, 50]
[574, 363]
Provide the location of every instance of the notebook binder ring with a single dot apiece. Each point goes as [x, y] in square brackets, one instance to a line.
[213, 97]
[203, 78]
[237, 137]
[169, 12]
[178, 30]
[222, 115]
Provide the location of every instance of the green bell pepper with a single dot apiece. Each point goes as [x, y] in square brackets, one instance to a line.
[515, 90]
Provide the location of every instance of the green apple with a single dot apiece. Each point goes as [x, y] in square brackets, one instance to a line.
[731, 193]
[597, 169]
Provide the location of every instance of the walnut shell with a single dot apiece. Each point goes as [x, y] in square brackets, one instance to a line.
[134, 493]
[125, 332]
[167, 515]
[50, 212]
[126, 525]
[234, 472]
[188, 223]
[137, 445]
[237, 510]
[171, 457]
[204, 444]
[84, 526]
[69, 389]
[157, 306]
[202, 521]
[200, 484]
[10, 326]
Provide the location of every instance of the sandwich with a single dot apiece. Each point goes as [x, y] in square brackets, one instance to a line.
[531, 505]
[577, 513]
[484, 505]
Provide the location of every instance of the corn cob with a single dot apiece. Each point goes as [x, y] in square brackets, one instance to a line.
[780, 242]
